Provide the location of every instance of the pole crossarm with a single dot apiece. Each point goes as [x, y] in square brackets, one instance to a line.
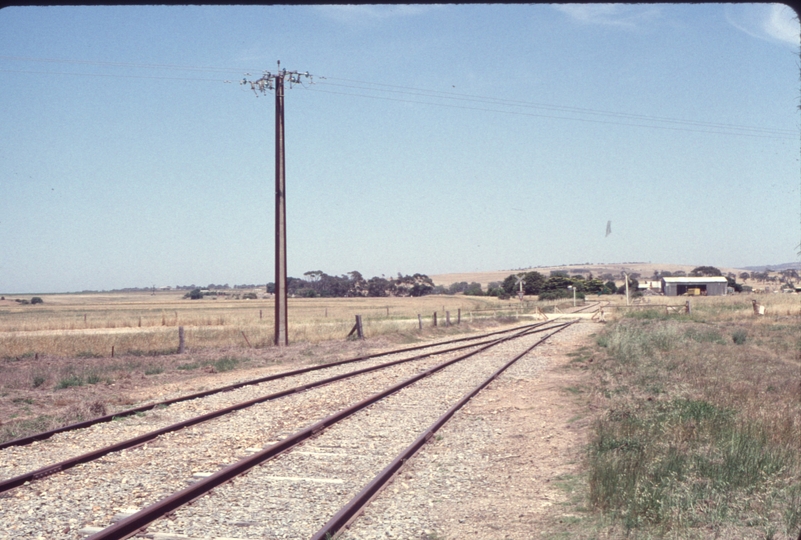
[268, 80]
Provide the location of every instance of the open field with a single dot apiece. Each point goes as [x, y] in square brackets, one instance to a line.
[91, 324]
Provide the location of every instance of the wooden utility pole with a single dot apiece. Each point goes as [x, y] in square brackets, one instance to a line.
[275, 81]
[281, 327]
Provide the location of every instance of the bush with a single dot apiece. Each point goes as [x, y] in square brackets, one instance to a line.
[37, 300]
[739, 336]
[194, 294]
[555, 295]
[69, 382]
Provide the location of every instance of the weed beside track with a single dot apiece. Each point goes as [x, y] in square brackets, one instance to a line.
[700, 427]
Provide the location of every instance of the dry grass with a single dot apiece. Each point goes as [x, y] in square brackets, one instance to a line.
[90, 325]
[698, 434]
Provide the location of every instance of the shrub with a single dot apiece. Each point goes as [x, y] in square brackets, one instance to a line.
[68, 382]
[37, 300]
[739, 336]
[226, 363]
[194, 294]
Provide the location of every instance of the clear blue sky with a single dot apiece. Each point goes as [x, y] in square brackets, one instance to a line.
[434, 139]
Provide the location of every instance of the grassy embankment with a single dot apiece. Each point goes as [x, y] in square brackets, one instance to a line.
[698, 429]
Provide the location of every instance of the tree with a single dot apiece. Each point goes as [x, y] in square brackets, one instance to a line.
[456, 288]
[194, 294]
[734, 285]
[509, 285]
[593, 286]
[705, 271]
[474, 289]
[377, 287]
[533, 282]
[633, 286]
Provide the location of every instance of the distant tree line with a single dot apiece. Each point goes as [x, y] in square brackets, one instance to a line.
[554, 286]
[317, 283]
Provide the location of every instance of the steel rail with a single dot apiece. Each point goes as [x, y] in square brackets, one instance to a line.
[129, 412]
[579, 310]
[351, 510]
[132, 524]
[42, 472]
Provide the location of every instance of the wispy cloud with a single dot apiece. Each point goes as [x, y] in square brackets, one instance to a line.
[372, 13]
[771, 22]
[623, 15]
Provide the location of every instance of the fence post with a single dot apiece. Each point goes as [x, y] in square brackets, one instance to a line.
[357, 328]
[687, 307]
[459, 316]
[447, 318]
[112, 351]
[420, 321]
[260, 315]
[435, 318]
[387, 311]
[180, 340]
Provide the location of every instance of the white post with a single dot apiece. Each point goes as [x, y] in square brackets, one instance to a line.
[627, 288]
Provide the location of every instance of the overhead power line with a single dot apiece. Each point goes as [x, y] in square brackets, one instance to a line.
[720, 131]
[386, 92]
[528, 104]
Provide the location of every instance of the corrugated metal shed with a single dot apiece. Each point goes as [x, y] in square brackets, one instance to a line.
[694, 286]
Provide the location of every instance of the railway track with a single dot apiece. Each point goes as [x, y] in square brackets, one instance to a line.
[294, 451]
[225, 401]
[144, 408]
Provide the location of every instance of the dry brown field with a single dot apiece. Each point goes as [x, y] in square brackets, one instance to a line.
[90, 325]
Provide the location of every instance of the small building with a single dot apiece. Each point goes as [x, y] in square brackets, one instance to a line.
[650, 285]
[694, 286]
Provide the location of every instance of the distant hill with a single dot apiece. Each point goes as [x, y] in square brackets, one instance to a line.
[774, 267]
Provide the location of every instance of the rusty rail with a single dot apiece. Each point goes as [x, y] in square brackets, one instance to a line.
[132, 524]
[129, 412]
[351, 510]
[47, 470]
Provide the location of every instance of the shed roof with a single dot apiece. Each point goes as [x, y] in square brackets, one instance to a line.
[703, 279]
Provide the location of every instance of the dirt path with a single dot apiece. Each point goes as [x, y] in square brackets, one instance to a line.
[535, 452]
